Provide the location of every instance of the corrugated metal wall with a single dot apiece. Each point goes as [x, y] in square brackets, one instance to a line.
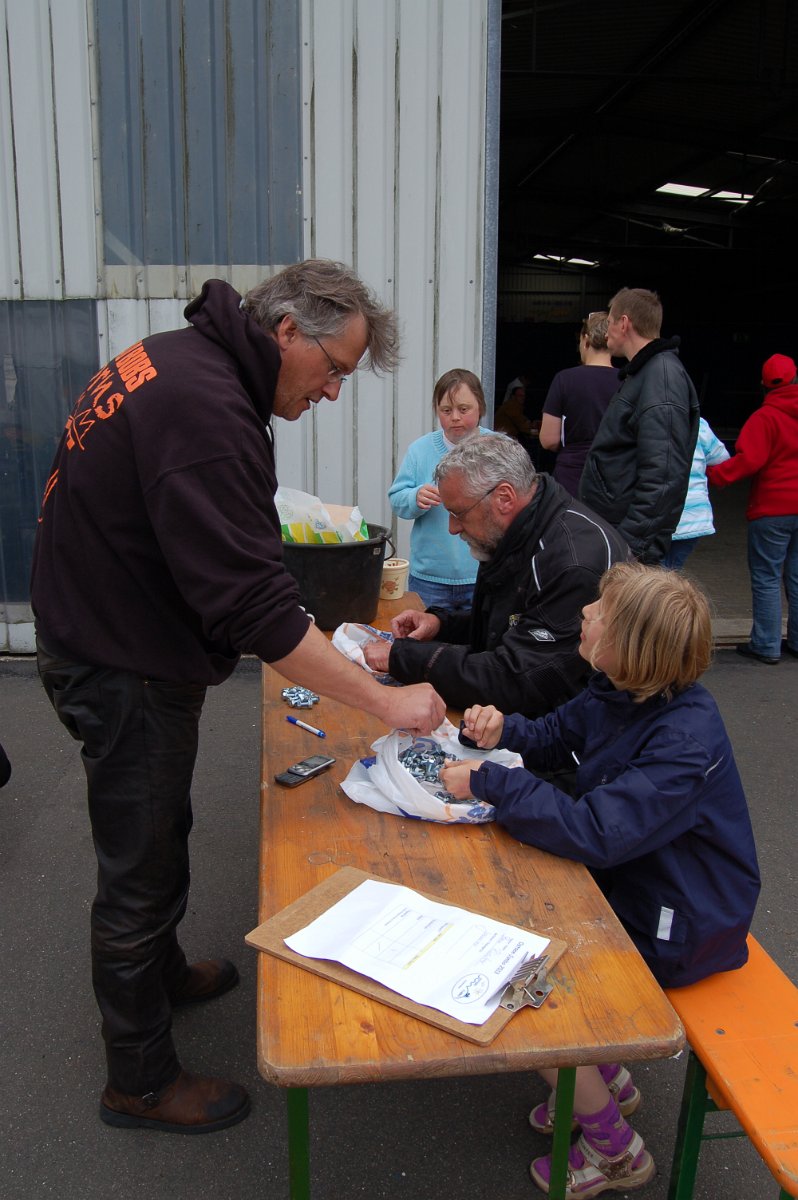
[393, 101]
[146, 145]
[199, 136]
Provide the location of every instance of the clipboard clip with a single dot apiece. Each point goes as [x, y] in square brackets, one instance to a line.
[528, 987]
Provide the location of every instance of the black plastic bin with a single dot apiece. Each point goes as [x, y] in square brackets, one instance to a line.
[340, 581]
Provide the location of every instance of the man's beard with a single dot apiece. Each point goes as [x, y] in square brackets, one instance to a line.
[483, 549]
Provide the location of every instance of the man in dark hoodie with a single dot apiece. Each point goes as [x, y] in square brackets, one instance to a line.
[158, 562]
[638, 468]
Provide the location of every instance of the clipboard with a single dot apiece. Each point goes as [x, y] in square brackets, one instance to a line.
[269, 937]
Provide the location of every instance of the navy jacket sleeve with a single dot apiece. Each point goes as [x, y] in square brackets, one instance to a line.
[646, 807]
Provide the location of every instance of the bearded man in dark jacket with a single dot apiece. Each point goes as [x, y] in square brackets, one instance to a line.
[638, 468]
[541, 555]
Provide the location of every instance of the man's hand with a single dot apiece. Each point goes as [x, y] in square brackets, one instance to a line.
[456, 777]
[422, 626]
[427, 496]
[483, 725]
[418, 708]
[377, 655]
[316, 664]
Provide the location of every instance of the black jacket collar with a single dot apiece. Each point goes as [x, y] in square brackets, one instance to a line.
[658, 346]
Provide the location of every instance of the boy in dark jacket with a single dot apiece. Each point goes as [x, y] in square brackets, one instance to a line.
[660, 816]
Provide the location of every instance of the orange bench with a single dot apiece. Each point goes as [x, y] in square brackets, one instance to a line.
[742, 1029]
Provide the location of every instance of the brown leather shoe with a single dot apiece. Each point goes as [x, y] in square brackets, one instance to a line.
[191, 1104]
[206, 979]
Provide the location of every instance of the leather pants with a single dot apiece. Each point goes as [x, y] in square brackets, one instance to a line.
[140, 741]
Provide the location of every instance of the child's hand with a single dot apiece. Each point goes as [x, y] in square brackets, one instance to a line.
[456, 777]
[483, 725]
[427, 496]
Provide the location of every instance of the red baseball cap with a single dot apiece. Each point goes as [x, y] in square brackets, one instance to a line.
[778, 369]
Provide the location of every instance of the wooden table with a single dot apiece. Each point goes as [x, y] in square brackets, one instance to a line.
[605, 1007]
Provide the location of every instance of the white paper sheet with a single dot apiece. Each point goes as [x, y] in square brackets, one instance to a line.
[452, 960]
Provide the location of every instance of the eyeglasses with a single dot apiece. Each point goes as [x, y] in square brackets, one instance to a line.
[458, 516]
[335, 373]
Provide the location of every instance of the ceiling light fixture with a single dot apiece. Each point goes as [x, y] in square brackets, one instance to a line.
[558, 258]
[683, 189]
[733, 197]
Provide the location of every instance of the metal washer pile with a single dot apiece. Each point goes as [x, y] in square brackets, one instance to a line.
[424, 764]
[299, 697]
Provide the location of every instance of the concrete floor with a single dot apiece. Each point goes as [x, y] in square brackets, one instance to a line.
[416, 1141]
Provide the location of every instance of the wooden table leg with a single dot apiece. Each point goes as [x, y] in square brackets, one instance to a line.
[298, 1144]
[563, 1117]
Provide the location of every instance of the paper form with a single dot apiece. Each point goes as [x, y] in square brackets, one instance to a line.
[452, 960]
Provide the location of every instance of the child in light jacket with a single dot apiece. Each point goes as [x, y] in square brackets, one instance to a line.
[442, 568]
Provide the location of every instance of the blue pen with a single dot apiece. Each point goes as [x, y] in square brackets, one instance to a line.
[302, 725]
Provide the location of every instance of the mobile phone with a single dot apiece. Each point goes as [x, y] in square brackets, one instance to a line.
[300, 772]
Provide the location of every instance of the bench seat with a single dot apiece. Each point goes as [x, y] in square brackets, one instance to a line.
[742, 1028]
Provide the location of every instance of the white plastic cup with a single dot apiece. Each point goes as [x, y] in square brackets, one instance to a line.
[394, 578]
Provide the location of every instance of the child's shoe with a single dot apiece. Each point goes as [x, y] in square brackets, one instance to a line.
[607, 1156]
[617, 1079]
[590, 1173]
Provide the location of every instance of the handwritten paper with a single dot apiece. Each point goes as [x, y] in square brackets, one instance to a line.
[450, 959]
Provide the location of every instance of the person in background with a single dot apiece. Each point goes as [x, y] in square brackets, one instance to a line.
[520, 381]
[441, 569]
[767, 453]
[576, 402]
[541, 555]
[509, 418]
[637, 470]
[157, 563]
[659, 816]
[696, 519]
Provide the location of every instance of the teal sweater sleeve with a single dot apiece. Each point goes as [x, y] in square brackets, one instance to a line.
[435, 554]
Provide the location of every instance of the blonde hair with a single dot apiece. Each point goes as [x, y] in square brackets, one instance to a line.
[594, 328]
[658, 626]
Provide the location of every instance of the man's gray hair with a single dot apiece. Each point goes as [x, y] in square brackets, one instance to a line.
[322, 296]
[486, 460]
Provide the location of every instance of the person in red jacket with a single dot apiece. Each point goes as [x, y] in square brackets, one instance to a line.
[767, 453]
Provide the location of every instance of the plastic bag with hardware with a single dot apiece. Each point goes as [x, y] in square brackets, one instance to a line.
[383, 783]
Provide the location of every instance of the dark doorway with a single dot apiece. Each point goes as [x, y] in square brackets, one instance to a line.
[601, 105]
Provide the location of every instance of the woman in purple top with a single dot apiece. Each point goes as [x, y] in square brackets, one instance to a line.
[576, 402]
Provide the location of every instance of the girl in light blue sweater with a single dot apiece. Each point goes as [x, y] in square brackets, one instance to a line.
[442, 569]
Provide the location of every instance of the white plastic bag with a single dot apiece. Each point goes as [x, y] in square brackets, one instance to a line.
[304, 518]
[350, 638]
[384, 784]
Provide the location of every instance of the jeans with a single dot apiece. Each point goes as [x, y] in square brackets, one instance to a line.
[773, 558]
[444, 595]
[679, 552]
[140, 742]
